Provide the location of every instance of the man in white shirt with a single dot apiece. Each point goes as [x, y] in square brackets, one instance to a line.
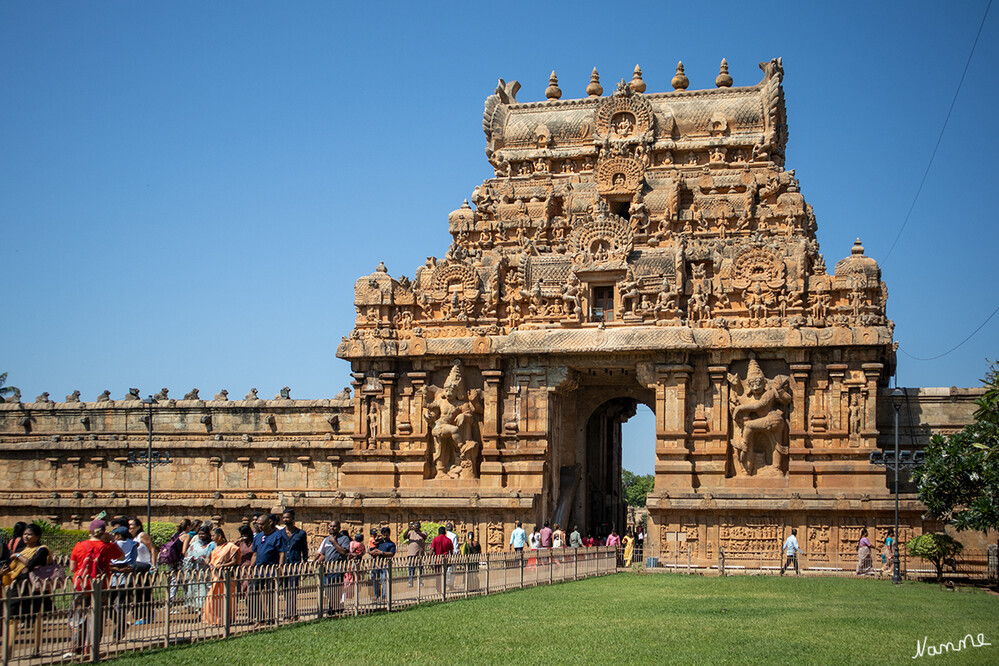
[454, 551]
[791, 552]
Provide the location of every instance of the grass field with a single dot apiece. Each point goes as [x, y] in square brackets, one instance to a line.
[635, 618]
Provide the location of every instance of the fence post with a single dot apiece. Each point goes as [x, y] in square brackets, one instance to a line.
[226, 601]
[419, 576]
[321, 584]
[97, 615]
[721, 560]
[486, 593]
[8, 612]
[388, 582]
[575, 563]
[357, 587]
[993, 563]
[166, 630]
[551, 567]
[521, 570]
[688, 560]
[277, 594]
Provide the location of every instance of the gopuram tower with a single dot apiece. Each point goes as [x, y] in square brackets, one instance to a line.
[631, 248]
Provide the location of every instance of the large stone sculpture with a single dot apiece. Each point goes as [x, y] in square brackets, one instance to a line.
[760, 425]
[452, 416]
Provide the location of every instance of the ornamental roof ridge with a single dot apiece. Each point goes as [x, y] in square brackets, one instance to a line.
[732, 91]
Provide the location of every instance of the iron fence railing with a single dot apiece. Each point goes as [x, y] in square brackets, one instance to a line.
[58, 623]
[971, 564]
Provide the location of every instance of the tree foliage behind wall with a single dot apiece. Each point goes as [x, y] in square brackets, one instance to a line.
[959, 478]
[636, 487]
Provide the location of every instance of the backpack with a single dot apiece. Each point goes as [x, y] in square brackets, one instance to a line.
[171, 553]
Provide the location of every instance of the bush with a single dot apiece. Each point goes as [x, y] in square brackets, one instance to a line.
[160, 533]
[937, 548]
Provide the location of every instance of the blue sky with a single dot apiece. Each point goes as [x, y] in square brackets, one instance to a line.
[189, 190]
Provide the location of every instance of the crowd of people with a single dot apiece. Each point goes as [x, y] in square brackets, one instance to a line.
[548, 536]
[201, 563]
[865, 549]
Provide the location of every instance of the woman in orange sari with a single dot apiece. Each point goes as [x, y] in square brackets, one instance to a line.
[224, 555]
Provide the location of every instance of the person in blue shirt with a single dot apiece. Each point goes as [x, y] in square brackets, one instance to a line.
[791, 551]
[518, 539]
[270, 546]
[297, 552]
[383, 552]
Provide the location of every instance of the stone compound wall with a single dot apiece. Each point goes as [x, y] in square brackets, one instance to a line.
[65, 462]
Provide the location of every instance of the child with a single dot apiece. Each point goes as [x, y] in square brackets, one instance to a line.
[354, 554]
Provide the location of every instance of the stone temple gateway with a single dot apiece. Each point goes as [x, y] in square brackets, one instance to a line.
[632, 248]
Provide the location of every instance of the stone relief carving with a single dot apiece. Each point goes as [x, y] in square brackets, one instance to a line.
[453, 417]
[759, 439]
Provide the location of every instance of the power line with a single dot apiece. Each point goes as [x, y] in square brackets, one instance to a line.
[939, 138]
[970, 335]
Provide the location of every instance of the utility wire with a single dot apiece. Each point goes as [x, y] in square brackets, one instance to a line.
[971, 335]
[939, 138]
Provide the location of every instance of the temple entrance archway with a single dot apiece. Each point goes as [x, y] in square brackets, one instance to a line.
[590, 493]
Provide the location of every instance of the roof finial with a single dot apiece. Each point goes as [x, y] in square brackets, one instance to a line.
[553, 91]
[594, 89]
[637, 84]
[680, 81]
[723, 80]
[857, 247]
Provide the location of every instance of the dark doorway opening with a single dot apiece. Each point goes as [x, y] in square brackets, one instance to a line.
[605, 509]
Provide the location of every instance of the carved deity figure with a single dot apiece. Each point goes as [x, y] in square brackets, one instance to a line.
[630, 293]
[761, 427]
[571, 299]
[639, 214]
[452, 417]
[374, 422]
[856, 416]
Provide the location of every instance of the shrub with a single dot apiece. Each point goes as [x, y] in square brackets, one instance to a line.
[937, 548]
[160, 533]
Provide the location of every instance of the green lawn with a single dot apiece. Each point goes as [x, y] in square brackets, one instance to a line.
[635, 618]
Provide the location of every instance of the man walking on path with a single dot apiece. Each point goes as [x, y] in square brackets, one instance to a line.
[269, 548]
[442, 547]
[518, 539]
[333, 550]
[416, 540]
[546, 535]
[575, 539]
[791, 552]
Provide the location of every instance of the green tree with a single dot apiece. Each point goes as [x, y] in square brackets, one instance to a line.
[958, 480]
[937, 548]
[4, 389]
[636, 487]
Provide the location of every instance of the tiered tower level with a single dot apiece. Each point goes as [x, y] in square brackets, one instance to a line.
[631, 248]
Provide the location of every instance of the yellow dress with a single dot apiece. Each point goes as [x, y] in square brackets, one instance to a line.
[629, 549]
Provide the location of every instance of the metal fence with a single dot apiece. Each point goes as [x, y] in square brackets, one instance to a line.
[971, 564]
[136, 612]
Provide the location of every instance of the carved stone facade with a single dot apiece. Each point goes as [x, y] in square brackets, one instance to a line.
[633, 248]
